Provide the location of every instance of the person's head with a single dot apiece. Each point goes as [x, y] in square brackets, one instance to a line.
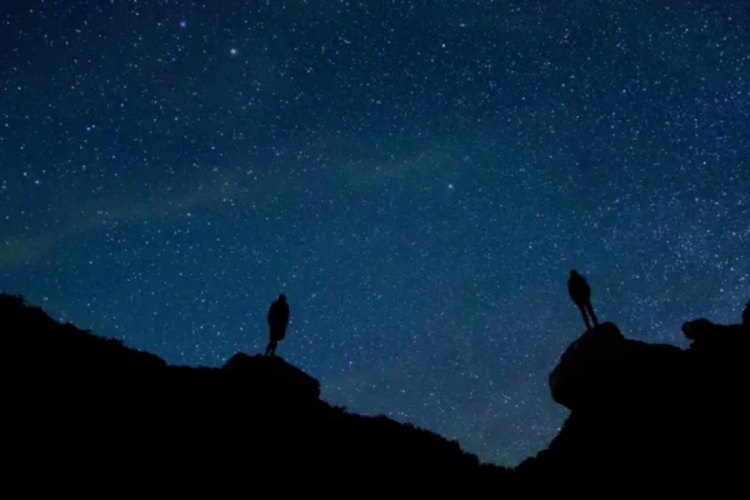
[282, 298]
[573, 272]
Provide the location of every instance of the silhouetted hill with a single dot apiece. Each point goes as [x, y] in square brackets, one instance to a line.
[87, 414]
[90, 412]
[646, 416]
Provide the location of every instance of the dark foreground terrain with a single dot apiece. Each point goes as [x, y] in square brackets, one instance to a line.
[88, 415]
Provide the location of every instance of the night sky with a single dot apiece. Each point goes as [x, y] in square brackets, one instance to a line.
[418, 177]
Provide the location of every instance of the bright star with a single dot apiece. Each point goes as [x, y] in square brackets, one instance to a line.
[183, 24]
[233, 52]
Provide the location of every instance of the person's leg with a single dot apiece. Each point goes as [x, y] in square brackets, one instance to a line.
[585, 318]
[591, 312]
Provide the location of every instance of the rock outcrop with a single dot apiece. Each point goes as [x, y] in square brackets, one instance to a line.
[273, 376]
[602, 368]
[650, 414]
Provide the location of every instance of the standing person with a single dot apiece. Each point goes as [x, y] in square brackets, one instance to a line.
[278, 319]
[746, 315]
[580, 292]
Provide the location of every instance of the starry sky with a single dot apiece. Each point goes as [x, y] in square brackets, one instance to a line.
[417, 176]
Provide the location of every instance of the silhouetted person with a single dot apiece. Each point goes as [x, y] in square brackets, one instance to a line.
[580, 292]
[746, 315]
[278, 319]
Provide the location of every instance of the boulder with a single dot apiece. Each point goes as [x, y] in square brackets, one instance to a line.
[603, 366]
[273, 376]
